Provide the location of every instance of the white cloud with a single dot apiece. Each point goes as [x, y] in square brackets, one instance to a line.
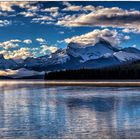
[41, 18]
[18, 54]
[33, 8]
[4, 52]
[79, 8]
[126, 30]
[13, 43]
[27, 41]
[48, 49]
[28, 14]
[93, 37]
[73, 8]
[89, 8]
[134, 46]
[12, 48]
[10, 44]
[51, 9]
[104, 17]
[41, 40]
[8, 6]
[8, 9]
[65, 3]
[4, 23]
[55, 14]
[46, 22]
[70, 7]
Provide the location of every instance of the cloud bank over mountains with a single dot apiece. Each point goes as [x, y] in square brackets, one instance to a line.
[93, 37]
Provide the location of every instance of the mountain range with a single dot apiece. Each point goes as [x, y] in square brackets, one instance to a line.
[76, 56]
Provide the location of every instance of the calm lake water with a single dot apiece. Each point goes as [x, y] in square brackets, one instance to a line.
[40, 111]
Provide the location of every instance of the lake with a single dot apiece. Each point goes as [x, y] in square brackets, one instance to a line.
[43, 111]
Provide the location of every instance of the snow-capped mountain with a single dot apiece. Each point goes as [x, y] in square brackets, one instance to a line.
[76, 56]
[91, 52]
[102, 54]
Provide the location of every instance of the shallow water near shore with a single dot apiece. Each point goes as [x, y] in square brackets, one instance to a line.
[43, 111]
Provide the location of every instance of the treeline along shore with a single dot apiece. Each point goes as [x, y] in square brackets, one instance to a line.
[129, 71]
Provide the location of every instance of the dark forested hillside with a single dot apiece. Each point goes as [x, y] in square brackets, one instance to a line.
[130, 71]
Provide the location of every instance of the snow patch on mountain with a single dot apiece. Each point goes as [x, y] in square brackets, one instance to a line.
[125, 56]
[59, 57]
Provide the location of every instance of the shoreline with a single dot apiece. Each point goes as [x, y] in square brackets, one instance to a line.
[94, 83]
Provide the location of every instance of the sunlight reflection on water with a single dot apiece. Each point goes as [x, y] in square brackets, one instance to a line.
[40, 111]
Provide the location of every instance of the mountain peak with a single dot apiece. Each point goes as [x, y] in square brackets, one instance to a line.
[107, 44]
[103, 41]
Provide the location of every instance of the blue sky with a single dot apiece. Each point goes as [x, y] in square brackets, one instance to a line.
[39, 28]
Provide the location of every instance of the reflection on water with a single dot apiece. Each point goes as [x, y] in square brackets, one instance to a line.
[38, 111]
